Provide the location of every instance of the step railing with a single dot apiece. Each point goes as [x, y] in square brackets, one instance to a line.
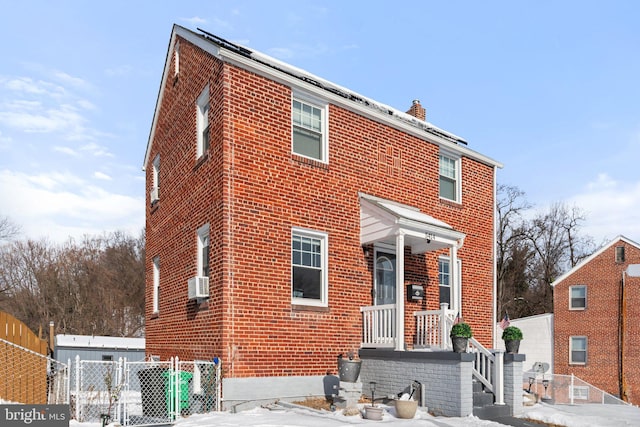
[432, 331]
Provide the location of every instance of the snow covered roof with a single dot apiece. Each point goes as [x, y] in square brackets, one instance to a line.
[282, 72]
[90, 341]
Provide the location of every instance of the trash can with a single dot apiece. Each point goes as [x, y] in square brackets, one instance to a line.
[152, 389]
[183, 380]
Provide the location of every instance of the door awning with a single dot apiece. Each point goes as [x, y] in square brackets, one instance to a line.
[381, 220]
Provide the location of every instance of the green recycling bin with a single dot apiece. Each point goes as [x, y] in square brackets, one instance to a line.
[178, 381]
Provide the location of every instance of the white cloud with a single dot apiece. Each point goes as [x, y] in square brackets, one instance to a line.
[196, 20]
[96, 150]
[102, 176]
[66, 150]
[612, 208]
[61, 205]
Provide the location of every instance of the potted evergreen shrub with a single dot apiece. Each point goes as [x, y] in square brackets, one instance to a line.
[512, 336]
[460, 334]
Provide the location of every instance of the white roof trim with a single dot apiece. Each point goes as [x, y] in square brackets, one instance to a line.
[594, 255]
[381, 220]
[90, 341]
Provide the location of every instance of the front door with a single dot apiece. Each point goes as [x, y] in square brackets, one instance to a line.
[385, 282]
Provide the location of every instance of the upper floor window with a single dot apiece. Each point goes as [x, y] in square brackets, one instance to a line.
[156, 284]
[578, 350]
[203, 251]
[309, 129]
[619, 253]
[577, 297]
[309, 281]
[449, 167]
[155, 186]
[202, 122]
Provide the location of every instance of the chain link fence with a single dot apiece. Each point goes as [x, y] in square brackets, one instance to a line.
[145, 393]
[27, 377]
[567, 389]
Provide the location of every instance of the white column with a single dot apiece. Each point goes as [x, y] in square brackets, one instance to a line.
[456, 291]
[400, 291]
[498, 377]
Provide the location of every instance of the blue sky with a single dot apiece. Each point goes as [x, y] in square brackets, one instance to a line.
[550, 89]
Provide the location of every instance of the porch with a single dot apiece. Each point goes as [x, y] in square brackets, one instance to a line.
[433, 328]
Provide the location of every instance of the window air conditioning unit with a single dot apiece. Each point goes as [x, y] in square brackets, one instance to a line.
[198, 287]
[155, 195]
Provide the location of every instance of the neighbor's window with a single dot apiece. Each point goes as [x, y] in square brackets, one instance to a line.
[309, 129]
[449, 177]
[578, 350]
[107, 357]
[619, 253]
[577, 297]
[156, 284]
[203, 251]
[309, 267]
[155, 189]
[202, 122]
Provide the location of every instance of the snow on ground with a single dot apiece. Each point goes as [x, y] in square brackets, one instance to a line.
[564, 415]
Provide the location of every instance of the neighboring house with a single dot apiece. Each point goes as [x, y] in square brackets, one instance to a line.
[537, 343]
[280, 206]
[89, 347]
[596, 311]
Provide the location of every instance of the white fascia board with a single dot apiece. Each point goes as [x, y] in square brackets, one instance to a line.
[193, 38]
[592, 256]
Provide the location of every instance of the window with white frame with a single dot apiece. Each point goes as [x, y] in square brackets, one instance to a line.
[450, 186]
[309, 118]
[156, 284]
[578, 350]
[577, 297]
[203, 251]
[155, 188]
[202, 122]
[444, 280]
[309, 278]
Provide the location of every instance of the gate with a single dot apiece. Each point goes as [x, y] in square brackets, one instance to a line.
[145, 393]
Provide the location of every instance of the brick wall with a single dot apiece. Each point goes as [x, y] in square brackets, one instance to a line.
[599, 322]
[252, 191]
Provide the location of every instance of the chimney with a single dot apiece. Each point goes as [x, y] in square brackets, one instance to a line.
[418, 110]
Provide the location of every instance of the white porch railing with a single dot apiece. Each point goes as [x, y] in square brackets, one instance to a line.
[431, 329]
[379, 326]
[488, 368]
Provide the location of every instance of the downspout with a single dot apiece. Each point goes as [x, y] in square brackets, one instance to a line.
[495, 267]
[622, 314]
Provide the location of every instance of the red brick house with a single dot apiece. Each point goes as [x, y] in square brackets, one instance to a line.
[596, 310]
[289, 206]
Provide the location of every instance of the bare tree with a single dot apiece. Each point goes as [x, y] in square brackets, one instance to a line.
[8, 229]
[512, 251]
[92, 287]
[532, 253]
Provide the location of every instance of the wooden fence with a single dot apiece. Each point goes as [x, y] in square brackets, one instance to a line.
[23, 363]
